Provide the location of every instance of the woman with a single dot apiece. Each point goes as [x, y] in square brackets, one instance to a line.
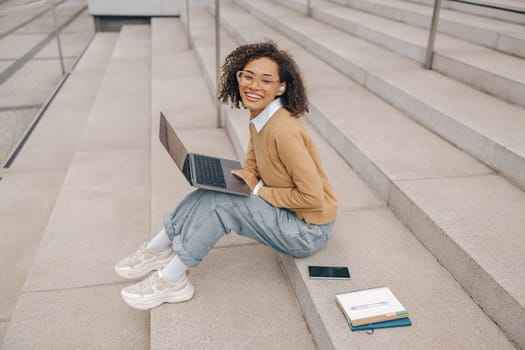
[291, 209]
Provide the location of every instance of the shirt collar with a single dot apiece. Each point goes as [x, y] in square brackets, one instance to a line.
[260, 121]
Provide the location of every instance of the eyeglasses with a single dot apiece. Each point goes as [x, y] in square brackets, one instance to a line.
[245, 78]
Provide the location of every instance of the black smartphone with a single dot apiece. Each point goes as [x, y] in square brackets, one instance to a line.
[329, 272]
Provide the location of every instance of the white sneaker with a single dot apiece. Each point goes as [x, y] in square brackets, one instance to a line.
[156, 290]
[143, 261]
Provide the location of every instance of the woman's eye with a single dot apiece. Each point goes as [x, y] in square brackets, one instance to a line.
[267, 82]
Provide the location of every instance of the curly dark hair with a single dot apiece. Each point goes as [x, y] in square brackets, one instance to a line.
[294, 99]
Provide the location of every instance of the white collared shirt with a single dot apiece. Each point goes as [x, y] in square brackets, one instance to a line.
[260, 121]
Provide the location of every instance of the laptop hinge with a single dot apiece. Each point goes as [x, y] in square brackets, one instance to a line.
[187, 170]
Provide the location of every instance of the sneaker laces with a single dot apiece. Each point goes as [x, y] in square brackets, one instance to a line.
[152, 280]
[138, 253]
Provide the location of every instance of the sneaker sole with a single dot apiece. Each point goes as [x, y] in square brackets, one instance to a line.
[144, 270]
[154, 302]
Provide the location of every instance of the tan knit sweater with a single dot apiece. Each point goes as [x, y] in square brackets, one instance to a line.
[283, 156]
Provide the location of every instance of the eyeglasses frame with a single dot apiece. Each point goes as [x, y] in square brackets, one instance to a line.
[239, 74]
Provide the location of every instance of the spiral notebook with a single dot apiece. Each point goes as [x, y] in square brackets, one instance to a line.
[372, 305]
[401, 322]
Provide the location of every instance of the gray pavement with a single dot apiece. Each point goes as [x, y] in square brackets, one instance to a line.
[29, 62]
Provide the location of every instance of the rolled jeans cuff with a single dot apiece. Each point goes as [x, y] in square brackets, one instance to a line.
[169, 227]
[176, 240]
[183, 254]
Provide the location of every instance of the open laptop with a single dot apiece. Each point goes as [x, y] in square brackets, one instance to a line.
[201, 171]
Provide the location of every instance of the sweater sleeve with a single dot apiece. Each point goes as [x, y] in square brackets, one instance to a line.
[307, 191]
[250, 162]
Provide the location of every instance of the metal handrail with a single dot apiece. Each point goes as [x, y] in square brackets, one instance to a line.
[57, 35]
[432, 35]
[435, 19]
[217, 50]
[218, 57]
[188, 36]
[36, 4]
[433, 27]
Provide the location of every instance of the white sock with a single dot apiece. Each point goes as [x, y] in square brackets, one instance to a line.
[160, 242]
[174, 271]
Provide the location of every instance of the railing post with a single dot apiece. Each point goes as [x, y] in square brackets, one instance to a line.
[188, 35]
[308, 8]
[432, 35]
[218, 57]
[53, 9]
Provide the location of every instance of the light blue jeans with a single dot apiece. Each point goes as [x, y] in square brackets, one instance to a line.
[203, 217]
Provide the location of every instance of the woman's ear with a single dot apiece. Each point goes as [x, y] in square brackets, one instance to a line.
[282, 89]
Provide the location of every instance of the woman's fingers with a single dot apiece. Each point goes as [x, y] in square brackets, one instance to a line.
[248, 178]
[239, 173]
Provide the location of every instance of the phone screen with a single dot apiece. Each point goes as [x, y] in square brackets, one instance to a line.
[332, 272]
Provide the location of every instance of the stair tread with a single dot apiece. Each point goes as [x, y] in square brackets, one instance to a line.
[474, 220]
[41, 166]
[510, 4]
[498, 63]
[486, 69]
[485, 23]
[379, 251]
[99, 53]
[455, 100]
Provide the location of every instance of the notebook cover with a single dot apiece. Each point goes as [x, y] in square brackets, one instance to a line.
[400, 322]
[372, 305]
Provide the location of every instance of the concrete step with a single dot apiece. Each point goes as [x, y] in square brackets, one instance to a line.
[30, 187]
[488, 70]
[242, 300]
[101, 213]
[506, 10]
[492, 33]
[498, 9]
[367, 237]
[367, 133]
[425, 95]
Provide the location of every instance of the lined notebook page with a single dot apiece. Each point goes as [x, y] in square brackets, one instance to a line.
[367, 303]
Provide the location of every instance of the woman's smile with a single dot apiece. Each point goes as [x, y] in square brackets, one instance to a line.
[259, 85]
[252, 97]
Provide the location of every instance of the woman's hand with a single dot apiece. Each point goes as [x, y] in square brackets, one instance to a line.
[247, 177]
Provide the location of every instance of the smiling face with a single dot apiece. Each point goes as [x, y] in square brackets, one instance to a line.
[260, 84]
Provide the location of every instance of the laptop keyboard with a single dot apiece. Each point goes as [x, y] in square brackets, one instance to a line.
[209, 171]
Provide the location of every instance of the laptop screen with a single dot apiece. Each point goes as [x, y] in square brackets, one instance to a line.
[172, 143]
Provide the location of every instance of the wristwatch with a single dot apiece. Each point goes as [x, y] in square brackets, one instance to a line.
[258, 187]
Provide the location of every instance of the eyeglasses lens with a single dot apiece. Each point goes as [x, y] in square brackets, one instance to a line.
[247, 78]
